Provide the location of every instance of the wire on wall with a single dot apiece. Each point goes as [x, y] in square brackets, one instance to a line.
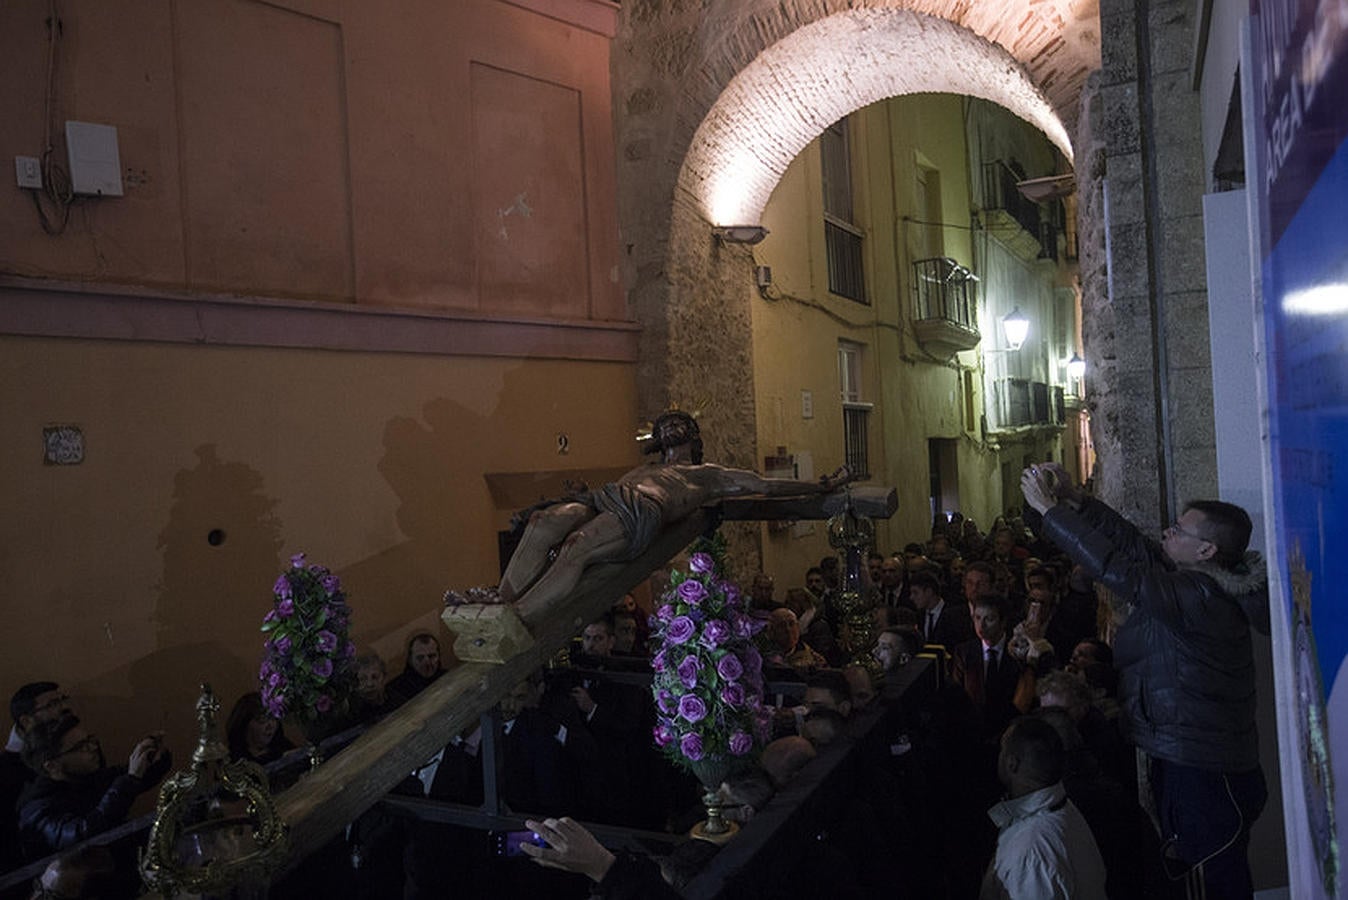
[56, 188]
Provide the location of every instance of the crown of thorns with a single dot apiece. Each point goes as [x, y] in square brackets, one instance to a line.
[670, 429]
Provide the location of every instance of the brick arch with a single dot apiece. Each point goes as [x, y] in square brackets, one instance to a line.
[785, 97]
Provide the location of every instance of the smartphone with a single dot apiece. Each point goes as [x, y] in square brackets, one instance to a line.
[508, 843]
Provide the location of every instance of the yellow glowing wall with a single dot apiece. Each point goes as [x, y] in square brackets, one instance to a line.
[373, 464]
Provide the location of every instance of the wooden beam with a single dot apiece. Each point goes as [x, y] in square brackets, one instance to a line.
[323, 802]
[871, 502]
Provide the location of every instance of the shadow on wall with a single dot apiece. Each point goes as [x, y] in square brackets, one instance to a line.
[422, 463]
[222, 532]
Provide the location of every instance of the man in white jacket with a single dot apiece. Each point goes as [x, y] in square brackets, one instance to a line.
[1045, 850]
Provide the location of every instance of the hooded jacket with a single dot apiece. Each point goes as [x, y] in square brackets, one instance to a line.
[1185, 654]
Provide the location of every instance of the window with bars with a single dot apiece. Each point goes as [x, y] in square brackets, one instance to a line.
[856, 437]
[842, 238]
[856, 412]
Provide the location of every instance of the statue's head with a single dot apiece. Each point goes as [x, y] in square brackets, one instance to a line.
[675, 429]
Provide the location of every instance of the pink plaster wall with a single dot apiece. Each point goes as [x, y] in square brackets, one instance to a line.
[416, 153]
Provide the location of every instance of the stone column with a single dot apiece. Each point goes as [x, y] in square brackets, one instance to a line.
[1146, 313]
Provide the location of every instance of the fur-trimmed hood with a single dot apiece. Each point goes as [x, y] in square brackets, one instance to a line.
[1247, 584]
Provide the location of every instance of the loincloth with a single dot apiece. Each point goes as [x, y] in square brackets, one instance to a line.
[639, 513]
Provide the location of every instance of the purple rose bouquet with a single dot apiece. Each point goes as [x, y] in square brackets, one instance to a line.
[708, 684]
[308, 669]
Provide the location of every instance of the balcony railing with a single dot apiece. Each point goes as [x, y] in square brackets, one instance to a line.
[1019, 402]
[945, 311]
[1041, 224]
[999, 192]
[943, 289]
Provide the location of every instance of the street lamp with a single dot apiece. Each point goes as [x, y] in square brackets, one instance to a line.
[1076, 367]
[1016, 326]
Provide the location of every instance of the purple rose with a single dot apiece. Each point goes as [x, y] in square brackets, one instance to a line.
[269, 617]
[264, 670]
[665, 700]
[322, 668]
[753, 660]
[701, 563]
[680, 630]
[715, 633]
[316, 569]
[349, 650]
[664, 736]
[286, 608]
[741, 743]
[692, 708]
[658, 661]
[692, 592]
[730, 592]
[327, 642]
[297, 561]
[730, 668]
[733, 694]
[276, 680]
[332, 584]
[323, 703]
[282, 587]
[277, 707]
[283, 645]
[744, 627]
[691, 747]
[665, 613]
[688, 670]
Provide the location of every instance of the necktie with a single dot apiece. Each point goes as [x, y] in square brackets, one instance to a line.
[931, 624]
[992, 662]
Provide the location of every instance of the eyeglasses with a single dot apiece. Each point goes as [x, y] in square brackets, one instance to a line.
[90, 744]
[1176, 529]
[58, 700]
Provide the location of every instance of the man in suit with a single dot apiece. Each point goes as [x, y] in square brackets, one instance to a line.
[999, 687]
[977, 581]
[892, 593]
[947, 624]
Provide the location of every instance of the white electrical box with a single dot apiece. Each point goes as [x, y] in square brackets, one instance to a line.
[95, 164]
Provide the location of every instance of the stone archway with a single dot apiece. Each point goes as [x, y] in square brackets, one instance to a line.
[831, 67]
[691, 80]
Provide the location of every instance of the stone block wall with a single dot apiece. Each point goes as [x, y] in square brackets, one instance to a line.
[1140, 181]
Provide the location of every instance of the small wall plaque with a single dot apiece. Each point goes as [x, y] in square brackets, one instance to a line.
[62, 445]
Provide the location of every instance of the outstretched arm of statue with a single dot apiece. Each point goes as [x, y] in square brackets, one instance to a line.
[732, 482]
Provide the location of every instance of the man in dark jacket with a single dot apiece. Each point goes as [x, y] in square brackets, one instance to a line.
[423, 667]
[76, 795]
[1185, 662]
[34, 703]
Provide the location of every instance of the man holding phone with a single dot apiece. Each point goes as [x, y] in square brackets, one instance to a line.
[1186, 665]
[566, 844]
[76, 795]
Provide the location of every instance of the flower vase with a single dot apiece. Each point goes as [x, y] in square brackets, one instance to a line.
[711, 771]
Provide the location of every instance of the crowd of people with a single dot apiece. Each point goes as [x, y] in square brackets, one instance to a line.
[1017, 777]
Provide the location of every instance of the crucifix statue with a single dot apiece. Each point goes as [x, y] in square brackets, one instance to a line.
[610, 541]
[618, 521]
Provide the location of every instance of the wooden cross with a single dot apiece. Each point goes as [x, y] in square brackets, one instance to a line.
[321, 804]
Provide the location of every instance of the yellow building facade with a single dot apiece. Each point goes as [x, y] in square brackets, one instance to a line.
[897, 243]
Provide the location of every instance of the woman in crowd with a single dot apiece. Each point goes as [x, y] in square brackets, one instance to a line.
[253, 733]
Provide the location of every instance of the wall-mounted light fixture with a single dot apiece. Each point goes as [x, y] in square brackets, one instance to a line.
[1016, 327]
[739, 234]
[1076, 367]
